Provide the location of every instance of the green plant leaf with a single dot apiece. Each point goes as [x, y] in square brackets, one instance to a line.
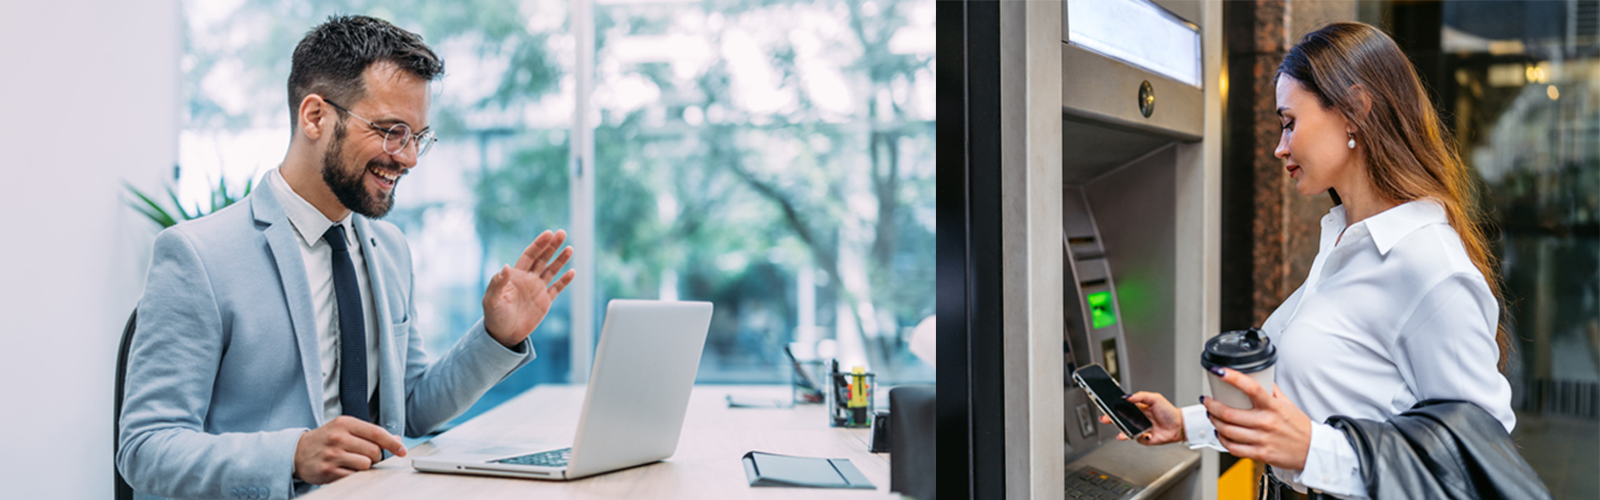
[150, 209]
[220, 196]
[181, 211]
[157, 216]
[214, 200]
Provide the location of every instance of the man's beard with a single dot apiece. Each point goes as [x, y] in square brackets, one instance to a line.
[350, 187]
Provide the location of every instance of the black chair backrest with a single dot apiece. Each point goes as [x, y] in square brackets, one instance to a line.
[123, 490]
[913, 425]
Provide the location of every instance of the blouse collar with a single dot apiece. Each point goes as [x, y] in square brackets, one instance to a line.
[1390, 226]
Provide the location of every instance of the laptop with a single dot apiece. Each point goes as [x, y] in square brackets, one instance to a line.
[644, 368]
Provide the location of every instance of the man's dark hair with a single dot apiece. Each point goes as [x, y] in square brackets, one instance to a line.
[329, 61]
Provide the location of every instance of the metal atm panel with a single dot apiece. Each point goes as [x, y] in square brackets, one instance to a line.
[1102, 90]
[1118, 237]
[1142, 256]
[1183, 9]
[1098, 147]
[1120, 166]
[1120, 257]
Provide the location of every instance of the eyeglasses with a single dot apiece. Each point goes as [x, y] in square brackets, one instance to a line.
[397, 137]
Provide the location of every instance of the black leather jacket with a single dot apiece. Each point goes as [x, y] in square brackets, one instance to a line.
[1440, 449]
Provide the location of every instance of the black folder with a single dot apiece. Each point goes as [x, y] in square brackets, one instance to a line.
[767, 469]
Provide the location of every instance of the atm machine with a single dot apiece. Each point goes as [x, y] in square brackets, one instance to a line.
[1132, 121]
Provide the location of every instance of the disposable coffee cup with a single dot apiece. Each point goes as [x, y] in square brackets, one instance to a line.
[1249, 352]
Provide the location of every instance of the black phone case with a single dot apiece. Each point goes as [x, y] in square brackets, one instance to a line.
[1106, 409]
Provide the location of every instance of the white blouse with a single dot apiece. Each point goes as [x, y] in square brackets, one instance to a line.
[1393, 313]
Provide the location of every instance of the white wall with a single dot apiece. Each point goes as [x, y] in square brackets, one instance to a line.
[88, 99]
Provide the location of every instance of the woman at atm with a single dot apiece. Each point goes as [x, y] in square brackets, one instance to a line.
[1403, 302]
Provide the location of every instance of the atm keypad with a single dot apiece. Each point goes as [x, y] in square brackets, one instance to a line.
[1089, 483]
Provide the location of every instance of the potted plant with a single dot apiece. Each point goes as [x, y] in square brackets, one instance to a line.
[221, 197]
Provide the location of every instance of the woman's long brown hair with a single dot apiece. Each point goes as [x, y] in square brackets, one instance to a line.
[1359, 71]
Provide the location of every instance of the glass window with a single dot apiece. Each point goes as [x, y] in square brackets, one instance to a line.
[775, 158]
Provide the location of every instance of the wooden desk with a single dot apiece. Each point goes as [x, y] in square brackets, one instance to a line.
[706, 465]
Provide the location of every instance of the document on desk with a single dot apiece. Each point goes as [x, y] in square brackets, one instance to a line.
[767, 469]
[756, 402]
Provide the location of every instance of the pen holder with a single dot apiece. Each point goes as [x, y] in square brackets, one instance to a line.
[850, 399]
[808, 381]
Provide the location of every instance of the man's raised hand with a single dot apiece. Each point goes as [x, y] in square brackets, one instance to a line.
[519, 296]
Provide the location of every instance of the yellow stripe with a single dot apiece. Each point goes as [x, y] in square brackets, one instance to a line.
[1239, 482]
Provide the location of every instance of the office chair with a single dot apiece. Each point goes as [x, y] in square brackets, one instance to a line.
[913, 425]
[123, 490]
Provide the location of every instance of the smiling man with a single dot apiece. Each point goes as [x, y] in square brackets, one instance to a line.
[276, 346]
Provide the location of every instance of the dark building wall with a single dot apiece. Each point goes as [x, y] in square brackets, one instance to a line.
[1269, 232]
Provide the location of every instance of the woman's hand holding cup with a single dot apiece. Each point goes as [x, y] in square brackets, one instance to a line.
[1273, 430]
[1166, 420]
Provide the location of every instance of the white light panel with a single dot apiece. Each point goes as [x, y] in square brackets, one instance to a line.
[1139, 33]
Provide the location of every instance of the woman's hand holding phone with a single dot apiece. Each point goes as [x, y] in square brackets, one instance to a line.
[1166, 419]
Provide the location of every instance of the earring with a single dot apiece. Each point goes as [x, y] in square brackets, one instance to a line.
[1352, 142]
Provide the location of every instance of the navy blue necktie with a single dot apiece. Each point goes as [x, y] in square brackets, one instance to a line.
[352, 328]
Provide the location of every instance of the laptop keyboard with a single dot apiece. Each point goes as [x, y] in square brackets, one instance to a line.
[553, 458]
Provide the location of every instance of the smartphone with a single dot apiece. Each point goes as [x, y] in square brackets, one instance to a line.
[1109, 397]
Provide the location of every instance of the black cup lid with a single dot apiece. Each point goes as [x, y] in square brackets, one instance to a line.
[1243, 350]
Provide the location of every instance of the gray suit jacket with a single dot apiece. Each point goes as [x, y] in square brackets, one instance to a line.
[224, 370]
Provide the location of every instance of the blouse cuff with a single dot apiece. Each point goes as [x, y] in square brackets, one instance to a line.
[1332, 465]
[1197, 429]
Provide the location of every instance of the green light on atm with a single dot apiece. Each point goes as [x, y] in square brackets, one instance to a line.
[1100, 310]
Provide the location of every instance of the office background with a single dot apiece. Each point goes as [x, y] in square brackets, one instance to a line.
[775, 158]
[785, 174]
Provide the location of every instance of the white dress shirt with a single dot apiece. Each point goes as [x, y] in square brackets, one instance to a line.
[1393, 313]
[309, 225]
